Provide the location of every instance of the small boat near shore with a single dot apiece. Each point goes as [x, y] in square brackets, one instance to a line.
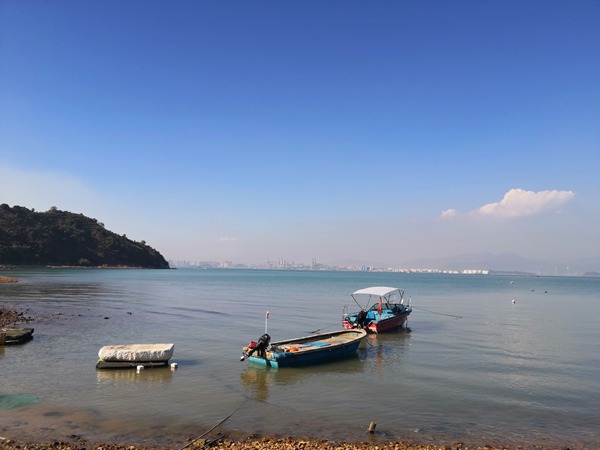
[130, 356]
[15, 336]
[388, 311]
[314, 349]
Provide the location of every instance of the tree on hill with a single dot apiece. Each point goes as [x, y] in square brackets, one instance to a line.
[63, 238]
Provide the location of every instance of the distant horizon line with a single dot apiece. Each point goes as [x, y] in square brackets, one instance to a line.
[365, 268]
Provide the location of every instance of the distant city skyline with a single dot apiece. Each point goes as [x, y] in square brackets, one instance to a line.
[243, 131]
[459, 264]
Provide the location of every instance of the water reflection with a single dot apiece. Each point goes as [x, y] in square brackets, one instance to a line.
[53, 291]
[385, 349]
[125, 376]
[257, 380]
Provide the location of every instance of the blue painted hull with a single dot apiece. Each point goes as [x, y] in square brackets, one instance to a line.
[315, 350]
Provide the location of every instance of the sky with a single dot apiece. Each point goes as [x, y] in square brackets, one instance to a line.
[248, 131]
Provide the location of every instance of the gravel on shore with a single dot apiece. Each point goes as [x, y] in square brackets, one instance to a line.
[252, 443]
[10, 317]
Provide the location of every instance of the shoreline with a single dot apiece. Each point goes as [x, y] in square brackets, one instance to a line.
[8, 280]
[260, 442]
[104, 266]
[13, 317]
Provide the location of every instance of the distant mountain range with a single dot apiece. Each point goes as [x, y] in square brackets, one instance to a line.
[497, 262]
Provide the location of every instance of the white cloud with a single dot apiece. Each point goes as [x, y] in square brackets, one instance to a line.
[519, 203]
[449, 213]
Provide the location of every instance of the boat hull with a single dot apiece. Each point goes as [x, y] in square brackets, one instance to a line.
[388, 324]
[129, 364]
[380, 326]
[322, 352]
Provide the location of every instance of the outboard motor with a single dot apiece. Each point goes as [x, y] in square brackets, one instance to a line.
[361, 318]
[260, 346]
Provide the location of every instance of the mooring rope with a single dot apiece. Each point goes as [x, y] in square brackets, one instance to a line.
[220, 423]
[435, 312]
[318, 330]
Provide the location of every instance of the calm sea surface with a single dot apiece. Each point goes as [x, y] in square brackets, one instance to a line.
[471, 366]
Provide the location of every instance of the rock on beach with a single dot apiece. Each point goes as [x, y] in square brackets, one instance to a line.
[10, 316]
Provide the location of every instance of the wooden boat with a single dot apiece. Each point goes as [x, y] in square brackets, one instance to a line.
[314, 349]
[13, 336]
[132, 355]
[388, 313]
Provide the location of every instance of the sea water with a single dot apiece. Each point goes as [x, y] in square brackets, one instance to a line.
[483, 358]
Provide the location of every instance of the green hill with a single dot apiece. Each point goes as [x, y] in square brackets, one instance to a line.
[61, 238]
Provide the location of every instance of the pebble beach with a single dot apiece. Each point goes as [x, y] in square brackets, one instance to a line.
[253, 443]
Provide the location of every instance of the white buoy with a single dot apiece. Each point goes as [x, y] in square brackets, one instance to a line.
[514, 301]
[140, 368]
[173, 366]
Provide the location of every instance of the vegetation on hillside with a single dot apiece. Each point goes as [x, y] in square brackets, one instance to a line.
[61, 238]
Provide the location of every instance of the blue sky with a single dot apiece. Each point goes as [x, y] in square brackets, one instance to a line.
[246, 130]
